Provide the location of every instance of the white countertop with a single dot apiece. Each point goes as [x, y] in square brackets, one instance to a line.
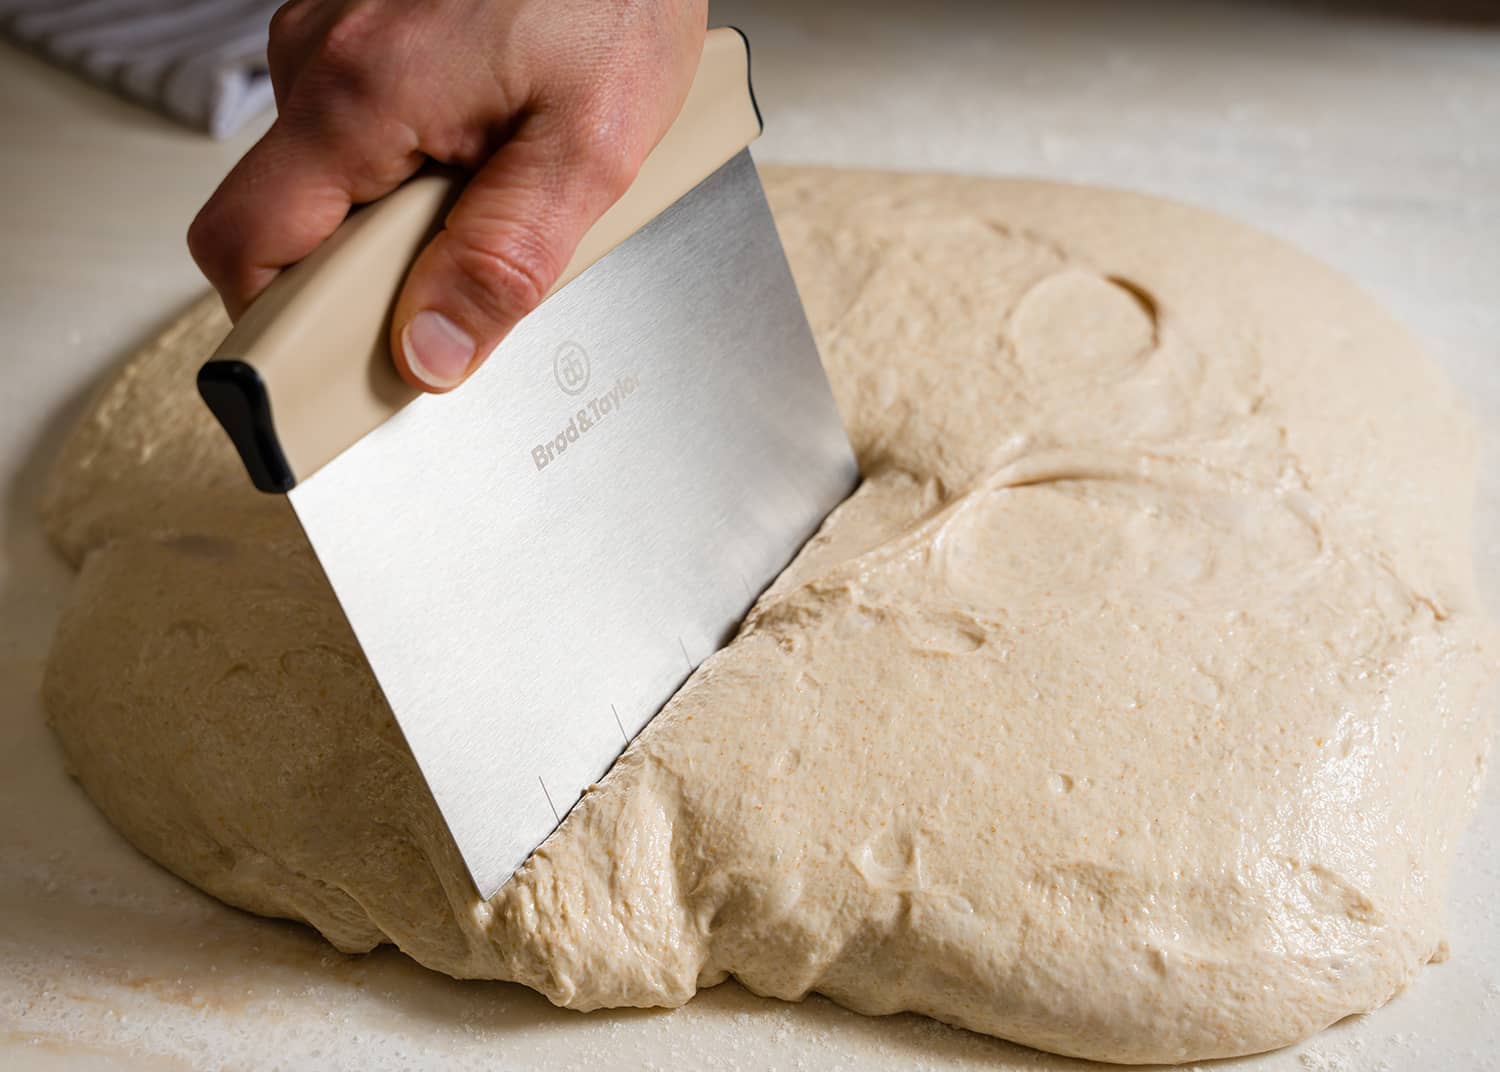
[1374, 143]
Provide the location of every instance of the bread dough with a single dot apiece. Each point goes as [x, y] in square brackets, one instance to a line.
[1130, 709]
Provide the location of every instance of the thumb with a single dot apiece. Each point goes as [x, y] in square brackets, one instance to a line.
[504, 245]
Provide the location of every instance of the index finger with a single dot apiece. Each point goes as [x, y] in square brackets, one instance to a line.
[284, 197]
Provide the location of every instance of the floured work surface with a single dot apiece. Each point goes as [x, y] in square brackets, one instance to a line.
[1131, 708]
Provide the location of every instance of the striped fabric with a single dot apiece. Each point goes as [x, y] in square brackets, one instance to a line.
[202, 62]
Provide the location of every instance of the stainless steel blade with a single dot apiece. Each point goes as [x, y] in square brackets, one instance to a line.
[535, 563]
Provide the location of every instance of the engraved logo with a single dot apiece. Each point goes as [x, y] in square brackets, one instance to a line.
[570, 366]
[584, 420]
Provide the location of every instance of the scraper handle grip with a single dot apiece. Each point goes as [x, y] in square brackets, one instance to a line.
[307, 371]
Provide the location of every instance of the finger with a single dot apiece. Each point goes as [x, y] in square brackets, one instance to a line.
[290, 42]
[271, 210]
[284, 197]
[505, 244]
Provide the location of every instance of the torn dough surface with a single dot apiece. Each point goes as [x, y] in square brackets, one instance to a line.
[1130, 709]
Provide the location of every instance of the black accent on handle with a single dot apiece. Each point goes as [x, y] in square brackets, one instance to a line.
[749, 79]
[237, 396]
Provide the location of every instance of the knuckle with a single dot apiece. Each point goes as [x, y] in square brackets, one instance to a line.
[285, 23]
[458, 143]
[509, 277]
[607, 158]
[203, 237]
[350, 48]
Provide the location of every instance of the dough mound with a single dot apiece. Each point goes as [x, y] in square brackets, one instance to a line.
[1130, 709]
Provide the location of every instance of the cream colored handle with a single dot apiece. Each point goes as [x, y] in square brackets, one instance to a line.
[307, 372]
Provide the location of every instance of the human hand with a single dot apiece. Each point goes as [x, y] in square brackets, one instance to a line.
[551, 104]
